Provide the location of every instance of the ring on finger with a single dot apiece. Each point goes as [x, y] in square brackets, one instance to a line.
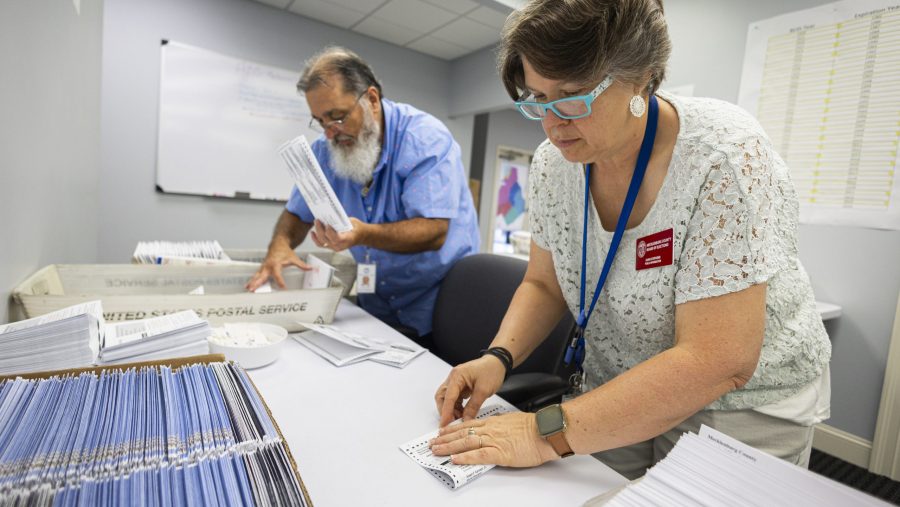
[480, 441]
[471, 432]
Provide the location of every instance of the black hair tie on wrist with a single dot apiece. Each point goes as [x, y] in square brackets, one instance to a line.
[503, 355]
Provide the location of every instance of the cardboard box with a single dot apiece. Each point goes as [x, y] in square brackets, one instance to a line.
[139, 291]
[344, 264]
[174, 364]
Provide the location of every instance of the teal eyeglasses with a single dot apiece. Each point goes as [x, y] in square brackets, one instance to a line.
[569, 108]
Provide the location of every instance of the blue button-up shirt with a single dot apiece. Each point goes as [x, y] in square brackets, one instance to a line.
[419, 174]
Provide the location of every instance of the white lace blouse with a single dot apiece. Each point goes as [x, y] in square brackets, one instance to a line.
[729, 200]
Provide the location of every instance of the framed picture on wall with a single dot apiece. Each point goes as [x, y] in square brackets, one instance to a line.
[509, 218]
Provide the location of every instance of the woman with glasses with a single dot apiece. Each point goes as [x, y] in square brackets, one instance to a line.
[668, 227]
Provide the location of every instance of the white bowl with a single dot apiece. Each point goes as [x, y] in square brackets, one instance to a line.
[250, 357]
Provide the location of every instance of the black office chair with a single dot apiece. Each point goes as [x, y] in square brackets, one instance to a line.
[471, 304]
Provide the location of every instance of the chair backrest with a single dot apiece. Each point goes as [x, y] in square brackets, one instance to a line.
[471, 304]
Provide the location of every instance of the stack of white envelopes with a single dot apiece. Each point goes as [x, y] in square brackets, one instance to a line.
[175, 335]
[159, 252]
[63, 339]
[714, 469]
[341, 347]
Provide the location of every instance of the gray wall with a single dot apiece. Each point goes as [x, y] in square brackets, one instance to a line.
[49, 136]
[855, 268]
[131, 209]
[476, 85]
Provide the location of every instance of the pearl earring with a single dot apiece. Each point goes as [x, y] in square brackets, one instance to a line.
[637, 106]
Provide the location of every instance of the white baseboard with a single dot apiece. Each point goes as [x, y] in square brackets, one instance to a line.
[843, 445]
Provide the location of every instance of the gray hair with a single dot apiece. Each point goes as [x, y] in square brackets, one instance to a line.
[582, 41]
[356, 75]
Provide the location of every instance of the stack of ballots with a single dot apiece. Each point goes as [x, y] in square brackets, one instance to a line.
[67, 338]
[159, 252]
[175, 335]
[190, 433]
[711, 468]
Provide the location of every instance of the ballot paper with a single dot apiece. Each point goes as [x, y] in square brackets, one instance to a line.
[319, 277]
[441, 467]
[312, 184]
[67, 338]
[174, 335]
[714, 469]
[342, 347]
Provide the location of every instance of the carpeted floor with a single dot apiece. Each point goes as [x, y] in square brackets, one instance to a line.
[854, 476]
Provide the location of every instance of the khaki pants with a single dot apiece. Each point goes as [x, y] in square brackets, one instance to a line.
[781, 438]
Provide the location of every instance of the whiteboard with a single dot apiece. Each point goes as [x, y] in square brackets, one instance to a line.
[221, 122]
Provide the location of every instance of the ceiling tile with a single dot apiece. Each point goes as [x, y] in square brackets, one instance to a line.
[488, 16]
[438, 48]
[414, 14]
[467, 33]
[329, 13]
[281, 4]
[387, 31]
[457, 6]
[366, 6]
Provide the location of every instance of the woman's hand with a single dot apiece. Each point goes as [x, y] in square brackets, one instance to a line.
[510, 440]
[476, 380]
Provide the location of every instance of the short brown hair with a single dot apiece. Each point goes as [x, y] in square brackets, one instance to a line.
[582, 41]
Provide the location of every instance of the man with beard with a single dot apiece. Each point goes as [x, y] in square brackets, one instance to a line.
[399, 175]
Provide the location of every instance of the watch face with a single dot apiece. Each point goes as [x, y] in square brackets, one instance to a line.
[550, 420]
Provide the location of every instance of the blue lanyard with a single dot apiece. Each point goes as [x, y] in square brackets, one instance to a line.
[576, 347]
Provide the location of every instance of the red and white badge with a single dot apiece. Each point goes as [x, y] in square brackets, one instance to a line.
[654, 251]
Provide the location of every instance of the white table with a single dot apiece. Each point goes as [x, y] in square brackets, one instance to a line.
[345, 425]
[828, 311]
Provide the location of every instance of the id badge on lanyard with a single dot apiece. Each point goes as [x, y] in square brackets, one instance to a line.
[366, 274]
[576, 348]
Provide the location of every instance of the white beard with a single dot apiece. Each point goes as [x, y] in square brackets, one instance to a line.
[357, 161]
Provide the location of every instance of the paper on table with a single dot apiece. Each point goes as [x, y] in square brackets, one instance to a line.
[714, 469]
[451, 475]
[157, 337]
[336, 352]
[313, 186]
[391, 354]
[93, 308]
[120, 333]
[319, 277]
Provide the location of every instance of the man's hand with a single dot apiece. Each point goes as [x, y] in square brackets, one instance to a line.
[279, 256]
[324, 236]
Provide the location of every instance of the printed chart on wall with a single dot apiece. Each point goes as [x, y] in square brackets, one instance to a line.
[823, 84]
[509, 224]
[511, 196]
[221, 122]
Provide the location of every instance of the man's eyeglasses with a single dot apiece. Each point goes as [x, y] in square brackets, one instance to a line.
[318, 125]
[569, 108]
